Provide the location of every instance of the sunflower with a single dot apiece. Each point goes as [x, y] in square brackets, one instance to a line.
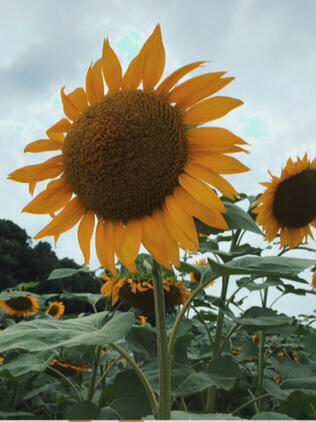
[142, 319]
[56, 309]
[67, 369]
[140, 294]
[313, 283]
[196, 277]
[136, 159]
[20, 306]
[289, 203]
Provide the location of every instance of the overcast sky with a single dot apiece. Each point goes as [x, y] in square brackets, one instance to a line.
[269, 46]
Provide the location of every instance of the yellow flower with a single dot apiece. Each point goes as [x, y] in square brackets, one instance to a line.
[255, 339]
[140, 294]
[280, 354]
[313, 283]
[142, 320]
[67, 369]
[289, 203]
[56, 309]
[276, 379]
[20, 306]
[136, 158]
[196, 277]
[1, 359]
[235, 352]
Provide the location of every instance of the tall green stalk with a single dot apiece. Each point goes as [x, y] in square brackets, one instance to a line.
[164, 364]
[93, 373]
[260, 370]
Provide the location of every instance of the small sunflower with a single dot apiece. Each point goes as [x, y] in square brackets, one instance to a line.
[255, 339]
[142, 320]
[140, 294]
[56, 309]
[289, 203]
[196, 277]
[20, 306]
[313, 283]
[136, 159]
[235, 352]
[67, 369]
[276, 379]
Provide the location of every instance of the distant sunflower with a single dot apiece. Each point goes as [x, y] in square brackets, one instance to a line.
[135, 158]
[289, 203]
[67, 369]
[20, 306]
[196, 277]
[140, 294]
[313, 283]
[56, 309]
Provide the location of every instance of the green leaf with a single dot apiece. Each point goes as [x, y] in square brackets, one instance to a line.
[92, 298]
[223, 372]
[270, 416]
[142, 341]
[48, 334]
[179, 414]
[275, 391]
[27, 362]
[107, 413]
[16, 415]
[65, 272]
[276, 266]
[237, 218]
[83, 410]
[257, 318]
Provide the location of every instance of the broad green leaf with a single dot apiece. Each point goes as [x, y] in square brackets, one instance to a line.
[237, 218]
[271, 416]
[107, 413]
[275, 390]
[48, 334]
[27, 362]
[257, 318]
[142, 341]
[129, 409]
[275, 266]
[16, 415]
[65, 272]
[83, 410]
[92, 298]
[223, 372]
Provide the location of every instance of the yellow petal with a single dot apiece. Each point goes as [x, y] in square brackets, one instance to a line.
[104, 244]
[154, 60]
[183, 220]
[74, 103]
[219, 163]
[212, 135]
[107, 288]
[210, 217]
[50, 200]
[112, 70]
[175, 76]
[63, 125]
[197, 88]
[171, 245]
[153, 241]
[210, 109]
[32, 186]
[201, 192]
[43, 145]
[127, 242]
[133, 74]
[212, 178]
[176, 232]
[85, 231]
[94, 82]
[65, 220]
[36, 172]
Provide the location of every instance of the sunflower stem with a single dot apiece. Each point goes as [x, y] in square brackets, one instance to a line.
[164, 364]
[96, 359]
[260, 370]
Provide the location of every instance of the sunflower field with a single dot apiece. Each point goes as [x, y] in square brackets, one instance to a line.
[137, 170]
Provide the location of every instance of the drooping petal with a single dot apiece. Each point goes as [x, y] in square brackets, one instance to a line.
[154, 60]
[112, 70]
[133, 74]
[201, 192]
[196, 89]
[94, 82]
[210, 109]
[50, 200]
[65, 220]
[154, 243]
[63, 125]
[212, 135]
[182, 219]
[85, 231]
[175, 76]
[210, 217]
[104, 244]
[176, 232]
[74, 103]
[127, 242]
[43, 145]
[212, 178]
[219, 163]
[36, 172]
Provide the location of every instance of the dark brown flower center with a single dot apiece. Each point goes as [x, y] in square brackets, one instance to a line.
[20, 303]
[53, 310]
[123, 155]
[294, 203]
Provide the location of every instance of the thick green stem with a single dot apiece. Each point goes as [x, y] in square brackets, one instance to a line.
[141, 376]
[211, 391]
[260, 370]
[164, 364]
[93, 375]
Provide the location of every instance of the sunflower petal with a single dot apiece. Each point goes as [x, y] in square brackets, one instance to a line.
[175, 76]
[65, 220]
[94, 82]
[74, 103]
[154, 60]
[43, 145]
[214, 136]
[127, 242]
[85, 231]
[112, 70]
[32, 186]
[219, 163]
[212, 178]
[133, 74]
[36, 172]
[171, 245]
[201, 192]
[104, 244]
[63, 125]
[153, 241]
[176, 232]
[210, 109]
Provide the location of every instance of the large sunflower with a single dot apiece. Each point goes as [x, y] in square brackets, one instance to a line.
[136, 158]
[289, 203]
[20, 306]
